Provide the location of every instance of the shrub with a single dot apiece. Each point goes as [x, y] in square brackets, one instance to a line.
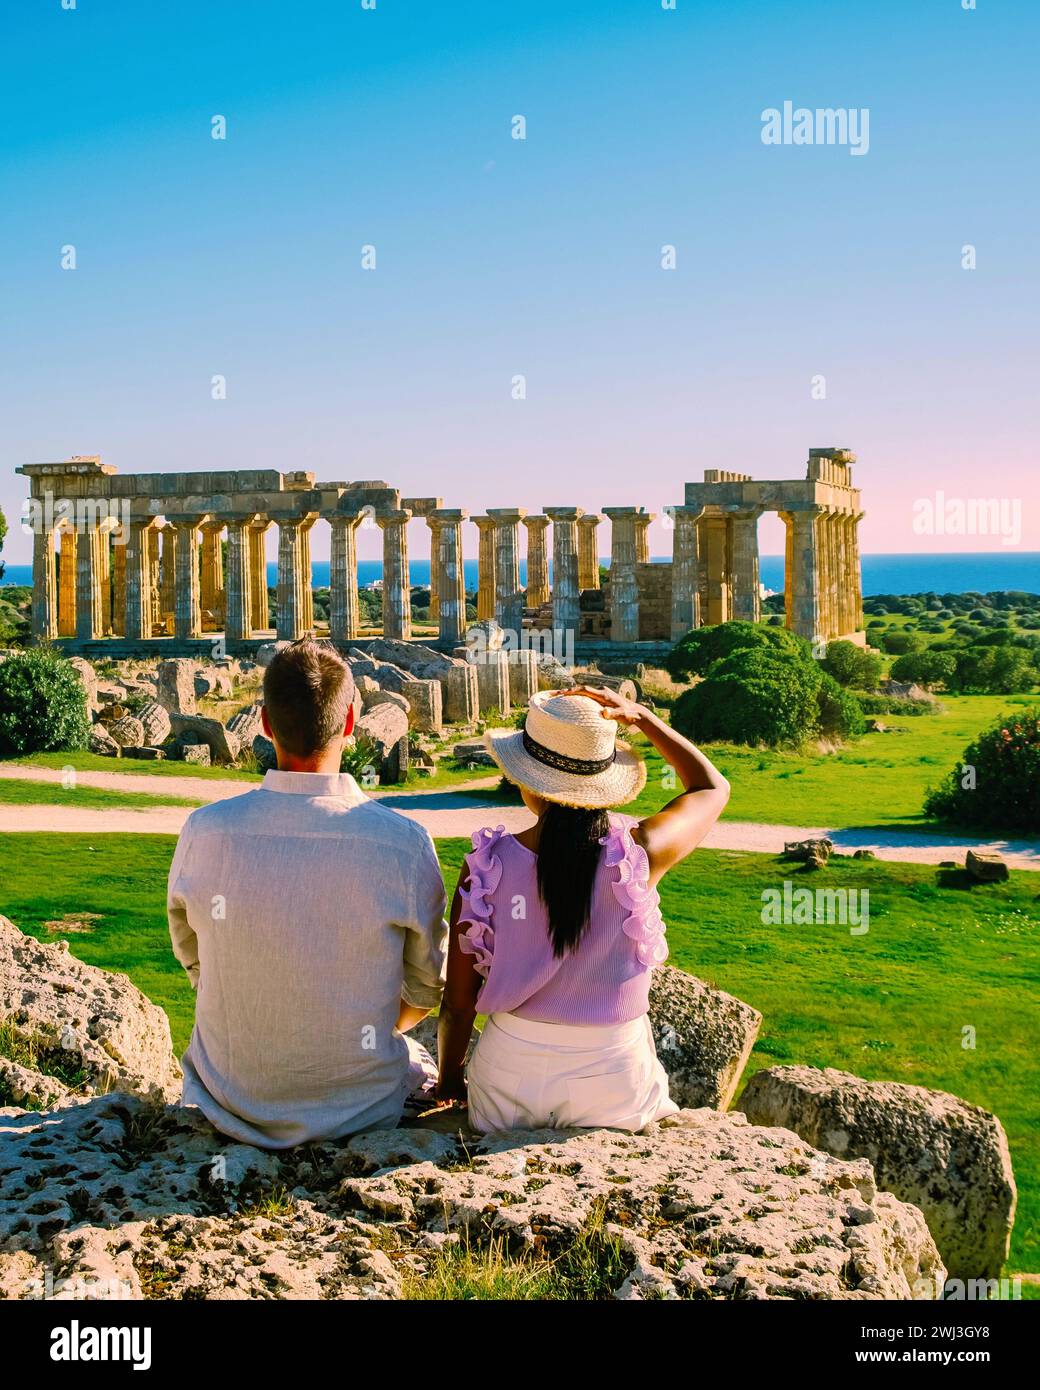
[995, 670]
[43, 706]
[924, 668]
[898, 641]
[361, 759]
[755, 695]
[697, 652]
[1003, 791]
[852, 666]
[840, 712]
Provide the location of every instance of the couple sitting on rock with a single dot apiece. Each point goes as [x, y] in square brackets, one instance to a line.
[310, 920]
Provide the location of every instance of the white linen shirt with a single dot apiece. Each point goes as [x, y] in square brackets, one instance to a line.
[303, 913]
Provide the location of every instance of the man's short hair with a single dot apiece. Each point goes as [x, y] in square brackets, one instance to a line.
[308, 689]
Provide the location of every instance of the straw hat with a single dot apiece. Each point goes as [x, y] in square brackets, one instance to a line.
[567, 752]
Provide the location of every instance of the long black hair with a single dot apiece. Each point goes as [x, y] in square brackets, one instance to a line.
[568, 855]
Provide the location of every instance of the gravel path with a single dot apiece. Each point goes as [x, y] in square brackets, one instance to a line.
[449, 814]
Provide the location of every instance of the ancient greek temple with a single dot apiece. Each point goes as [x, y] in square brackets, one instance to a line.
[139, 562]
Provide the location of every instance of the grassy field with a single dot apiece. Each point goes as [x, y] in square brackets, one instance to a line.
[880, 780]
[940, 957]
[14, 793]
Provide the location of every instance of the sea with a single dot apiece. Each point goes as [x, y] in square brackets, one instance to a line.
[985, 572]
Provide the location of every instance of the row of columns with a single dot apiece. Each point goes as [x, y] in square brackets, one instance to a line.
[169, 575]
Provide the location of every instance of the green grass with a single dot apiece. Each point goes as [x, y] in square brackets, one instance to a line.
[18, 793]
[879, 780]
[939, 957]
[94, 762]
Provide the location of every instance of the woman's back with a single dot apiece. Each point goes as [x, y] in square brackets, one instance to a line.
[605, 978]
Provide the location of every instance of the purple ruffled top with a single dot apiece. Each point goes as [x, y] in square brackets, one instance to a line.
[606, 978]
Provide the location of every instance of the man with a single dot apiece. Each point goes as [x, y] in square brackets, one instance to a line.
[310, 919]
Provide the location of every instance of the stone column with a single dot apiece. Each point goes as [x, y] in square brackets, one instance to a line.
[344, 607]
[435, 550]
[803, 577]
[238, 596]
[827, 564]
[119, 543]
[137, 601]
[45, 587]
[89, 620]
[537, 561]
[450, 580]
[715, 563]
[168, 585]
[588, 556]
[308, 574]
[643, 538]
[686, 605]
[291, 593]
[397, 594]
[624, 590]
[260, 620]
[101, 535]
[187, 609]
[485, 568]
[747, 605]
[509, 597]
[154, 601]
[565, 592]
[855, 573]
[67, 569]
[212, 573]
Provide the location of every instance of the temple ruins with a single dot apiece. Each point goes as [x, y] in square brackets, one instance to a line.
[135, 563]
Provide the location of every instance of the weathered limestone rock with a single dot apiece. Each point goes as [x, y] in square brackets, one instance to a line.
[128, 732]
[88, 677]
[986, 868]
[95, 1021]
[461, 698]
[473, 751]
[267, 652]
[493, 682]
[703, 1037]
[945, 1156]
[372, 698]
[175, 689]
[814, 854]
[246, 724]
[100, 741]
[155, 721]
[523, 676]
[387, 726]
[196, 753]
[552, 674]
[223, 744]
[425, 707]
[147, 1198]
[263, 751]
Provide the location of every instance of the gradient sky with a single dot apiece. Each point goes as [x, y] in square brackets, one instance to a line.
[496, 257]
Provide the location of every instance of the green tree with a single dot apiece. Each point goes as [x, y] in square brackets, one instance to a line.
[852, 666]
[755, 695]
[925, 668]
[700, 649]
[43, 705]
[3, 533]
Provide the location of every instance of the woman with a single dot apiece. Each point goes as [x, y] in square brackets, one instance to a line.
[555, 931]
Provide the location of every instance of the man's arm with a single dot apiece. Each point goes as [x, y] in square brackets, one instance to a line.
[425, 943]
[182, 937]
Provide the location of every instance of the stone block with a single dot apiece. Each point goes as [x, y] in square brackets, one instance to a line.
[155, 721]
[703, 1037]
[985, 868]
[460, 696]
[424, 705]
[175, 689]
[128, 732]
[197, 753]
[224, 747]
[523, 676]
[493, 682]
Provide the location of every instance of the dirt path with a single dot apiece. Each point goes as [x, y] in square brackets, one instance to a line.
[447, 814]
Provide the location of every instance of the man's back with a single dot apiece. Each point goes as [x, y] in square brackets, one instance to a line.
[306, 913]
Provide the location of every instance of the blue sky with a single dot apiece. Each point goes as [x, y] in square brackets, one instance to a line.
[496, 257]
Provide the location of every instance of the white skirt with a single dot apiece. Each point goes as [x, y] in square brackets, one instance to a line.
[529, 1075]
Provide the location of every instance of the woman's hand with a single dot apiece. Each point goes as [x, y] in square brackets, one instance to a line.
[614, 706]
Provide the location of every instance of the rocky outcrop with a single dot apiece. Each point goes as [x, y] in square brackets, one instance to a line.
[927, 1147]
[88, 1030]
[175, 685]
[703, 1037]
[197, 728]
[149, 1201]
